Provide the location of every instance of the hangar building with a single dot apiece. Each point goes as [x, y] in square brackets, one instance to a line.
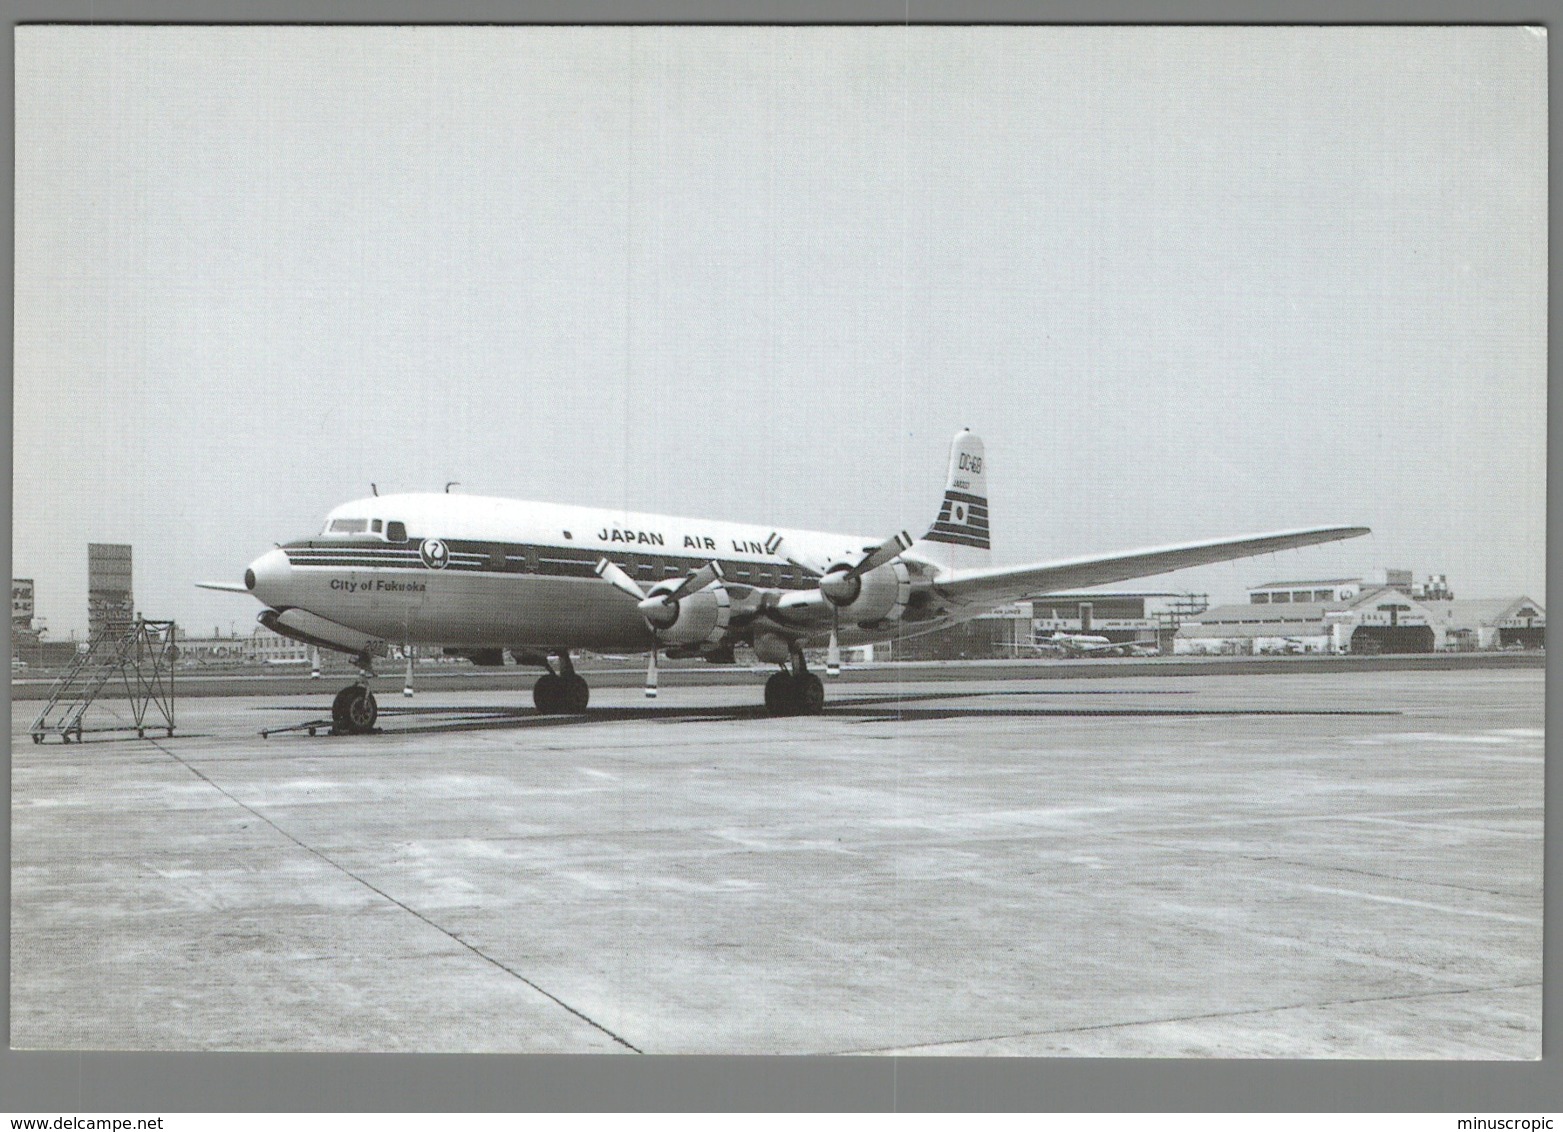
[1372, 620]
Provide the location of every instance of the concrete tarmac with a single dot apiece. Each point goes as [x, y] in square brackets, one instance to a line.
[1290, 865]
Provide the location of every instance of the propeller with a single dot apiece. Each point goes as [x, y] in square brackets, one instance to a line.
[659, 610]
[662, 609]
[842, 583]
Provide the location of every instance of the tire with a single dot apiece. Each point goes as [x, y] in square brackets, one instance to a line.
[810, 694]
[362, 711]
[547, 694]
[576, 693]
[781, 694]
[339, 705]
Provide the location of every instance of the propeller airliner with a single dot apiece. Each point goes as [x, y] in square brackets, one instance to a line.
[478, 576]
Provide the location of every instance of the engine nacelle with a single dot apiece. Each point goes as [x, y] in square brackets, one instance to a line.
[866, 600]
[696, 619]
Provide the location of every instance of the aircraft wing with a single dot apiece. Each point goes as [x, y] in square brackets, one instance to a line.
[992, 587]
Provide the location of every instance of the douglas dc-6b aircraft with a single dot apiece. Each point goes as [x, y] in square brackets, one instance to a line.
[476, 576]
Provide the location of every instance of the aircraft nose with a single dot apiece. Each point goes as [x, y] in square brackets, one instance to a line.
[268, 577]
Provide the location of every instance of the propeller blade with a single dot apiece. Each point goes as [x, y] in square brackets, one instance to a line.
[781, 548]
[833, 655]
[651, 676]
[811, 569]
[611, 572]
[884, 552]
[697, 580]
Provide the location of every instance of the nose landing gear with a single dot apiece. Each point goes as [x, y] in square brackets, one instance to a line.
[354, 711]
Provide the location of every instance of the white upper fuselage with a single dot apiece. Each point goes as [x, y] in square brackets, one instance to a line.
[469, 571]
[477, 517]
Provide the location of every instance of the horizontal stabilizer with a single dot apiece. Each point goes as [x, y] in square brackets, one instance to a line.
[996, 586]
[225, 587]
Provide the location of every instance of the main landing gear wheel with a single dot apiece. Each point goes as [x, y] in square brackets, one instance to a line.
[561, 695]
[811, 694]
[786, 694]
[354, 711]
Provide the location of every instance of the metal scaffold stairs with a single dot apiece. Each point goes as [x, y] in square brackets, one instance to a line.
[142, 656]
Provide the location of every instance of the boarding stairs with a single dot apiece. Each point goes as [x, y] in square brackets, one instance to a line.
[141, 655]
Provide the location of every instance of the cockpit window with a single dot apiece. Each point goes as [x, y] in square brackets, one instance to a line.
[375, 526]
[348, 526]
[396, 532]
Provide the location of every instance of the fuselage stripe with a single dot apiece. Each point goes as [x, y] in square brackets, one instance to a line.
[961, 540]
[538, 560]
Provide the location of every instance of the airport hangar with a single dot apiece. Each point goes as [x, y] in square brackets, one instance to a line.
[1382, 612]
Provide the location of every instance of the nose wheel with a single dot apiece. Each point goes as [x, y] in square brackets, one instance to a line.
[354, 711]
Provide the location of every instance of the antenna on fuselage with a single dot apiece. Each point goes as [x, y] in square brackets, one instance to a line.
[453, 483]
[374, 489]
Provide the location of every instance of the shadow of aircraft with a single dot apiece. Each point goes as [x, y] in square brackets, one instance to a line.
[879, 708]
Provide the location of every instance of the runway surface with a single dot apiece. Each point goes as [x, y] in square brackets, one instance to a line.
[1295, 865]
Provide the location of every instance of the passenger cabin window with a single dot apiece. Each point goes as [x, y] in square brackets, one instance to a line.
[396, 532]
[348, 526]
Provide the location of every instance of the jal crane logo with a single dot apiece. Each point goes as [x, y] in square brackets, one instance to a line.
[435, 554]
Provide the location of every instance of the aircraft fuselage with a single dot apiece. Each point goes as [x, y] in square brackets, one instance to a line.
[475, 572]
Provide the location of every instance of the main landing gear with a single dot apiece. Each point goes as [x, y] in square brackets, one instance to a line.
[794, 692]
[562, 692]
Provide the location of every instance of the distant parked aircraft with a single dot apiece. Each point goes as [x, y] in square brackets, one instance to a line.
[1088, 644]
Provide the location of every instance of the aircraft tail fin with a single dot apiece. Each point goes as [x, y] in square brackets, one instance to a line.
[958, 538]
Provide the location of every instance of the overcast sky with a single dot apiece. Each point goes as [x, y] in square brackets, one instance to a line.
[1185, 283]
